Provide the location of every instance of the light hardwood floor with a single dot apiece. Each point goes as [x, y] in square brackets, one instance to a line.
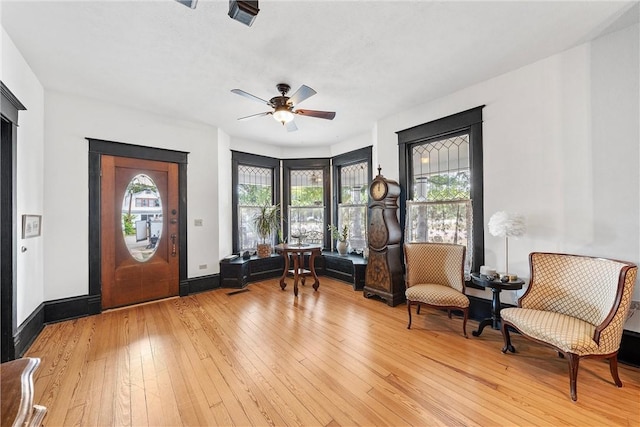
[332, 357]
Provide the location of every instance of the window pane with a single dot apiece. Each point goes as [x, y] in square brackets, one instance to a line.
[354, 183]
[355, 217]
[248, 238]
[352, 209]
[441, 170]
[254, 190]
[306, 187]
[306, 212]
[441, 222]
[444, 222]
[254, 186]
[440, 210]
[306, 224]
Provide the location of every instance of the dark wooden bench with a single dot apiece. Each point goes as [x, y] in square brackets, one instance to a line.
[239, 272]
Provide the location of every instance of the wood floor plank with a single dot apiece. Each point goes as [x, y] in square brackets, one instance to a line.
[138, 345]
[332, 357]
[287, 358]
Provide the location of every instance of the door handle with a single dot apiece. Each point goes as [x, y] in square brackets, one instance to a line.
[173, 245]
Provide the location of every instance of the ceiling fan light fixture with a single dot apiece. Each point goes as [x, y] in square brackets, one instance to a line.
[283, 115]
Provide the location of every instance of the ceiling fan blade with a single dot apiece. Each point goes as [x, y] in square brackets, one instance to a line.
[301, 94]
[255, 115]
[291, 126]
[248, 95]
[329, 115]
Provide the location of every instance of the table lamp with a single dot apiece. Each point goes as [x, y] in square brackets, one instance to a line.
[506, 224]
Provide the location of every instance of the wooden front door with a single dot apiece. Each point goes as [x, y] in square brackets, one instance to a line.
[139, 235]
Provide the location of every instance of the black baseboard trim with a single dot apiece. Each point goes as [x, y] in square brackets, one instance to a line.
[67, 308]
[480, 308]
[28, 331]
[94, 304]
[201, 284]
[183, 288]
[628, 354]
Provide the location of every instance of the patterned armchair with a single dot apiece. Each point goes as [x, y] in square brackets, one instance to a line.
[435, 278]
[575, 304]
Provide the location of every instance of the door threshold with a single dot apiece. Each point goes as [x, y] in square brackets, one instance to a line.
[140, 304]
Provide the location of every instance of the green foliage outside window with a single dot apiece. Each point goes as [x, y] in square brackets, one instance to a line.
[446, 221]
[254, 195]
[306, 196]
[127, 219]
[444, 187]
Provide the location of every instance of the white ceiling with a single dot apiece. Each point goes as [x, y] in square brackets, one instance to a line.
[366, 59]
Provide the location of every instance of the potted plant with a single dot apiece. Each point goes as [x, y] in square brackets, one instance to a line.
[341, 236]
[266, 222]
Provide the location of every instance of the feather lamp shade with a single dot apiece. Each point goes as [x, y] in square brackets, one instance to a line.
[506, 224]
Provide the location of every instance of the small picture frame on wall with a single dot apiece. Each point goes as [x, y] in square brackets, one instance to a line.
[31, 226]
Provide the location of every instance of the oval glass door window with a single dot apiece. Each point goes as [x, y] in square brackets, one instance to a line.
[142, 217]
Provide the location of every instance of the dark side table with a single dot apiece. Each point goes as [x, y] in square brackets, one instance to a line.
[298, 252]
[496, 287]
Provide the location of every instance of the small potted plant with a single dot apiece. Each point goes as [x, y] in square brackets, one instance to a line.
[266, 222]
[341, 236]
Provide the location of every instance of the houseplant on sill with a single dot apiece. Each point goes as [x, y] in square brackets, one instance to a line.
[342, 244]
[266, 222]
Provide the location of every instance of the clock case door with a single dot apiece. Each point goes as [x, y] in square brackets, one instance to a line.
[383, 276]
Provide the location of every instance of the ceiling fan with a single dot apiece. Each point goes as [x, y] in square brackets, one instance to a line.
[283, 106]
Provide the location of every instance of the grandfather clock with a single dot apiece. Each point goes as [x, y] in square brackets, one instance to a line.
[383, 276]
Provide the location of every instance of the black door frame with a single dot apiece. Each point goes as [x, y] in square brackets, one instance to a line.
[98, 147]
[9, 107]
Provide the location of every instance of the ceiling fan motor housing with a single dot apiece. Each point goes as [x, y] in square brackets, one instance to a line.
[283, 88]
[280, 101]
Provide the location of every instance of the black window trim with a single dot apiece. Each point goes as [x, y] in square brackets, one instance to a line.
[455, 124]
[360, 155]
[241, 158]
[297, 164]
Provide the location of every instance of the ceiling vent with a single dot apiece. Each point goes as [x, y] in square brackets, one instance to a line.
[188, 3]
[243, 11]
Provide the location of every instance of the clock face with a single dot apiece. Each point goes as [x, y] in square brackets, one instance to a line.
[378, 190]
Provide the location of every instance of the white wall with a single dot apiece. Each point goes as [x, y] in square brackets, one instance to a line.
[225, 210]
[354, 143]
[23, 83]
[615, 89]
[279, 152]
[68, 121]
[560, 146]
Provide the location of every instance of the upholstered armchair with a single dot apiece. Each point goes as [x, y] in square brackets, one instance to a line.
[575, 304]
[435, 278]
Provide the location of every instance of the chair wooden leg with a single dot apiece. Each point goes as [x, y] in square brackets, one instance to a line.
[449, 313]
[409, 311]
[507, 339]
[574, 361]
[418, 309]
[613, 367]
[465, 312]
